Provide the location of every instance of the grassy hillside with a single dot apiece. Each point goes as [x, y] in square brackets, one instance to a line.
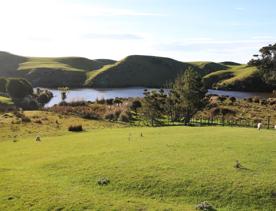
[139, 71]
[169, 168]
[145, 71]
[236, 77]
[6, 101]
[209, 67]
[49, 72]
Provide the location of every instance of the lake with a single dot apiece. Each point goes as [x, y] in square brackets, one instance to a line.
[89, 94]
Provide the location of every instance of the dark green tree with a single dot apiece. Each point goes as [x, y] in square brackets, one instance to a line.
[266, 64]
[135, 105]
[18, 88]
[153, 106]
[186, 96]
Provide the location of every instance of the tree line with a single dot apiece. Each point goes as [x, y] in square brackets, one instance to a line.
[266, 64]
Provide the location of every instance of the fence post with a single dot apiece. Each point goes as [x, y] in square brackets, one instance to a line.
[268, 121]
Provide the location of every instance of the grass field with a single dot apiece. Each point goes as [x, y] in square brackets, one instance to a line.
[169, 168]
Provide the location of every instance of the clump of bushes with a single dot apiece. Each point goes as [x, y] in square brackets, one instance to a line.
[43, 97]
[21, 116]
[124, 117]
[232, 99]
[221, 111]
[74, 103]
[222, 98]
[75, 128]
[110, 116]
[205, 206]
[256, 99]
[250, 99]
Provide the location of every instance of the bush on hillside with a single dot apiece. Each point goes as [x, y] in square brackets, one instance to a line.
[250, 99]
[135, 105]
[221, 111]
[232, 99]
[256, 99]
[110, 116]
[19, 88]
[109, 101]
[75, 128]
[44, 97]
[124, 117]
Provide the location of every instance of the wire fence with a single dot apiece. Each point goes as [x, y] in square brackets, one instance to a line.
[265, 123]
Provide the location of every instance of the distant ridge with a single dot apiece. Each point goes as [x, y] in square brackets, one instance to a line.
[132, 71]
[49, 71]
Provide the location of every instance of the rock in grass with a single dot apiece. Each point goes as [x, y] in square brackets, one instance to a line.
[103, 181]
[205, 206]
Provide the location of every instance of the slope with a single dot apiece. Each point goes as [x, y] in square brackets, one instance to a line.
[137, 70]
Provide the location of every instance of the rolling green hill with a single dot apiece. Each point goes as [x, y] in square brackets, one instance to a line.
[236, 77]
[133, 71]
[49, 72]
[209, 67]
[143, 71]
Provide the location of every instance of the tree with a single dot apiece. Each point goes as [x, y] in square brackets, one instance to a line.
[186, 96]
[266, 64]
[153, 106]
[18, 88]
[135, 105]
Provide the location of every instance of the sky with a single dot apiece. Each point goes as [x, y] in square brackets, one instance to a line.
[186, 30]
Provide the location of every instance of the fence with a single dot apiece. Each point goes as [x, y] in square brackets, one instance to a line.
[266, 123]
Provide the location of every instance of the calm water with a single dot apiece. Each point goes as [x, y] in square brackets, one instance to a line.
[93, 94]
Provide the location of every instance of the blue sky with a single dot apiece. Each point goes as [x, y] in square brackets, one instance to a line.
[187, 30]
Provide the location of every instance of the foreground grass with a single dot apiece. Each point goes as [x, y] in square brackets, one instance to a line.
[169, 168]
[43, 123]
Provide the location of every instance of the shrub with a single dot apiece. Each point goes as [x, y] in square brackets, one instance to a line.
[256, 99]
[222, 98]
[221, 111]
[110, 116]
[75, 128]
[22, 116]
[118, 101]
[232, 99]
[100, 101]
[44, 97]
[19, 88]
[109, 101]
[263, 102]
[135, 105]
[124, 117]
[250, 99]
[117, 113]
